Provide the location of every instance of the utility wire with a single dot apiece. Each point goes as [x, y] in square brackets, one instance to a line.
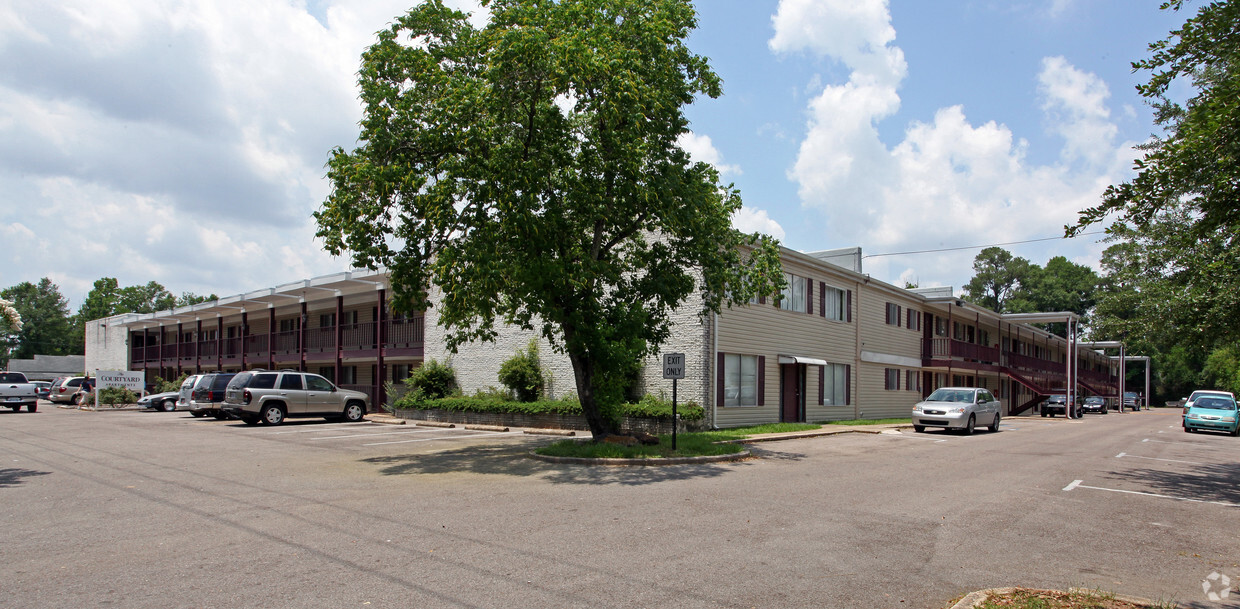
[974, 247]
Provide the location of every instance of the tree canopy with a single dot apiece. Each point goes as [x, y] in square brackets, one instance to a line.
[530, 172]
[1009, 284]
[45, 312]
[1171, 275]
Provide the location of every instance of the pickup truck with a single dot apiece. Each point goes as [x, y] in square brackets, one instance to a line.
[16, 391]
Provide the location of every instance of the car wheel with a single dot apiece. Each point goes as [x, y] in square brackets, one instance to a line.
[273, 415]
[968, 427]
[353, 412]
[77, 399]
[249, 419]
[198, 413]
[169, 405]
[1043, 414]
[919, 428]
[1188, 429]
[35, 407]
[16, 408]
[1235, 432]
[994, 425]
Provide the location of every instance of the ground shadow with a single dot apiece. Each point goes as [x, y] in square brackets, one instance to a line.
[1212, 482]
[12, 476]
[515, 461]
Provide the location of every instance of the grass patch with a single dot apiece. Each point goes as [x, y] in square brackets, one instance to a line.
[1024, 598]
[870, 422]
[694, 444]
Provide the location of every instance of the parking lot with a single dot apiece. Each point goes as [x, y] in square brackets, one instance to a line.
[143, 509]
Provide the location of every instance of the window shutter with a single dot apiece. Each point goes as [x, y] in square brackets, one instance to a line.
[822, 384]
[848, 306]
[822, 299]
[761, 380]
[809, 296]
[848, 383]
[719, 382]
[761, 298]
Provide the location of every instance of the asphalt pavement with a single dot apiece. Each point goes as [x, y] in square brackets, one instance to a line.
[144, 509]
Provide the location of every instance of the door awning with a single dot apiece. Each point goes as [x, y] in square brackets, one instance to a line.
[796, 359]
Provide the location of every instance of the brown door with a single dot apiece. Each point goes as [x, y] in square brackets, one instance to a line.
[792, 393]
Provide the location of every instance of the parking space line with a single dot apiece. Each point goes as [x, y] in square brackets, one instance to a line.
[320, 428]
[1077, 484]
[380, 433]
[1121, 455]
[472, 434]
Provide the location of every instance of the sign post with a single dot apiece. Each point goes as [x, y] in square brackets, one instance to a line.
[674, 368]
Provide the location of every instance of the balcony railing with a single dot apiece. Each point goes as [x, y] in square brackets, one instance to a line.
[400, 334]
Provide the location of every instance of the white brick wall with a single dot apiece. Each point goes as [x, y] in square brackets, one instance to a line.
[107, 347]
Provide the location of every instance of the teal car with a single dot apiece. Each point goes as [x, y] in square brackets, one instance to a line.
[1215, 413]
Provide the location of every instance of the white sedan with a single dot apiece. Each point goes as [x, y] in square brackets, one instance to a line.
[961, 408]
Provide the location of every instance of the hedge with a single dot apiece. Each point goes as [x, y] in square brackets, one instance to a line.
[650, 407]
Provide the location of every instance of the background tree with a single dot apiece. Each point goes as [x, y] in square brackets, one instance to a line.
[997, 276]
[529, 171]
[10, 326]
[45, 311]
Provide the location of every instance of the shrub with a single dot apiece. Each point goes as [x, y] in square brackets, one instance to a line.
[522, 373]
[431, 380]
[162, 386]
[117, 395]
[649, 407]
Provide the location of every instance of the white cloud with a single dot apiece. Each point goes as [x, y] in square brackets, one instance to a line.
[949, 183]
[749, 220]
[701, 149]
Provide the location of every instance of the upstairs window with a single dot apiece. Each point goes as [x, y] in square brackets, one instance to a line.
[893, 314]
[794, 294]
[833, 302]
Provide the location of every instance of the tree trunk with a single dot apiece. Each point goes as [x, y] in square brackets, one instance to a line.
[583, 373]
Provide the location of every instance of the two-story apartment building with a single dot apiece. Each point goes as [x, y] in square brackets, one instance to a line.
[836, 344]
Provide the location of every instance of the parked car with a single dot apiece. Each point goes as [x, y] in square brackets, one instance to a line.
[1094, 403]
[1058, 404]
[183, 395]
[960, 408]
[1213, 412]
[207, 398]
[65, 390]
[166, 402]
[44, 387]
[1132, 400]
[16, 391]
[261, 396]
[1198, 394]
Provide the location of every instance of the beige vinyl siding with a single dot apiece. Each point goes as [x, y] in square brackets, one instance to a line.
[768, 331]
[883, 341]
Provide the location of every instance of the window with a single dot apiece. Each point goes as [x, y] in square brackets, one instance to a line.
[290, 381]
[913, 319]
[400, 372]
[348, 375]
[740, 380]
[328, 372]
[912, 380]
[263, 381]
[834, 385]
[794, 294]
[833, 303]
[317, 383]
[940, 326]
[288, 325]
[893, 314]
[891, 382]
[983, 337]
[327, 320]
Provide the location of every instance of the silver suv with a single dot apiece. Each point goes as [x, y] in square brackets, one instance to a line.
[262, 396]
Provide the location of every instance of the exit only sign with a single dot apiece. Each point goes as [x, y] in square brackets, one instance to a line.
[673, 365]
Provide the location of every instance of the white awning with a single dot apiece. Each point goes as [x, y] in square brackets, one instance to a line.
[796, 359]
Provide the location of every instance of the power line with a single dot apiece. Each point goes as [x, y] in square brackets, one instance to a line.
[974, 247]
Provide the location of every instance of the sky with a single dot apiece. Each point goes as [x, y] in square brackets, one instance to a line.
[185, 141]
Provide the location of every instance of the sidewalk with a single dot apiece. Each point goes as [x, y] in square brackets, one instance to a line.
[826, 430]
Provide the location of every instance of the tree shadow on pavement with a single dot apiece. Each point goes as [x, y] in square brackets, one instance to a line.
[515, 461]
[1213, 482]
[12, 476]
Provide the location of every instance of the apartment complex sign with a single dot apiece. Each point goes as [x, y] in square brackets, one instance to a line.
[124, 379]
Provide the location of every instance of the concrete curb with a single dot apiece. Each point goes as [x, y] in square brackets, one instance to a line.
[644, 462]
[383, 418]
[975, 599]
[825, 431]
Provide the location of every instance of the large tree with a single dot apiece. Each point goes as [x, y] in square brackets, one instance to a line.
[1181, 209]
[530, 172]
[46, 329]
[997, 276]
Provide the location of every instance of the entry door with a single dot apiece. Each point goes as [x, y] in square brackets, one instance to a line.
[792, 393]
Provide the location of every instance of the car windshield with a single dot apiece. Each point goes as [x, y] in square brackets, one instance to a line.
[1215, 403]
[951, 395]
